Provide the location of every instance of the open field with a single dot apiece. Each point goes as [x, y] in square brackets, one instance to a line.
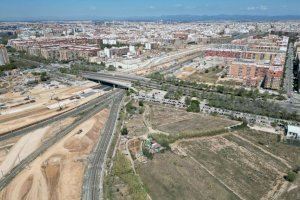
[269, 142]
[242, 167]
[169, 176]
[136, 126]
[210, 77]
[227, 166]
[178, 121]
[58, 173]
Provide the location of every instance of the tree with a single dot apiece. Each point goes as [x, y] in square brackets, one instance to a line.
[220, 88]
[147, 153]
[141, 110]
[44, 76]
[187, 101]
[111, 68]
[124, 131]
[291, 176]
[141, 103]
[194, 106]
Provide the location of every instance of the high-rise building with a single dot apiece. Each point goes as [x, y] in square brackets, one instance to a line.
[3, 56]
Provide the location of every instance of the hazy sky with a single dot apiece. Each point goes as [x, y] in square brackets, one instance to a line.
[30, 9]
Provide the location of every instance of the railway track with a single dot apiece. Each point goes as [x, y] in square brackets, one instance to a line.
[93, 179]
[8, 177]
[45, 122]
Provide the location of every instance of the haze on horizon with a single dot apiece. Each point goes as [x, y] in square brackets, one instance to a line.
[92, 9]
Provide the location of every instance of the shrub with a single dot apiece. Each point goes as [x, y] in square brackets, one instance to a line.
[194, 106]
[291, 176]
[124, 131]
[141, 103]
[147, 153]
[111, 68]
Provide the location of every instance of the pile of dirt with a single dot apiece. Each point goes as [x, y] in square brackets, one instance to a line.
[76, 144]
[51, 170]
[26, 187]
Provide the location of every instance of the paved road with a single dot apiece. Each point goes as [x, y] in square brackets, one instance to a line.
[93, 179]
[7, 178]
[155, 85]
[43, 123]
[289, 76]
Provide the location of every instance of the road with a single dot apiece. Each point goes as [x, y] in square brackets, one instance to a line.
[289, 76]
[43, 123]
[7, 178]
[93, 179]
[187, 90]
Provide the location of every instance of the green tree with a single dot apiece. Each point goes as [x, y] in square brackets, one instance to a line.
[194, 106]
[124, 131]
[141, 103]
[111, 68]
[44, 76]
[187, 101]
[147, 153]
[291, 176]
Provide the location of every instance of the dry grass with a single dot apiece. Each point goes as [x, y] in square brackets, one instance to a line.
[169, 176]
[179, 121]
[210, 77]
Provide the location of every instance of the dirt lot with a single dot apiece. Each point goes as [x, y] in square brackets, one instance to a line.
[16, 149]
[210, 77]
[174, 121]
[21, 112]
[58, 173]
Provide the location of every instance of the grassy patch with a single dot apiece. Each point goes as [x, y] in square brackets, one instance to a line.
[123, 173]
[166, 140]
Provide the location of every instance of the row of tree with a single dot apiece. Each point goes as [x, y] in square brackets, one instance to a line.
[242, 92]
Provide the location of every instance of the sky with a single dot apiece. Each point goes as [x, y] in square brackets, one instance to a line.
[76, 9]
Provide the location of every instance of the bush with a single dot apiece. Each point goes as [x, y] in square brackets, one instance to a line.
[141, 103]
[111, 68]
[194, 106]
[44, 76]
[147, 153]
[187, 101]
[291, 176]
[141, 110]
[130, 108]
[124, 131]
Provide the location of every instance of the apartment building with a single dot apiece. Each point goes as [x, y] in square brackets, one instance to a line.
[254, 61]
[251, 73]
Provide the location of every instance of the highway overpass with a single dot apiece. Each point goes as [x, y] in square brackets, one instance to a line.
[121, 81]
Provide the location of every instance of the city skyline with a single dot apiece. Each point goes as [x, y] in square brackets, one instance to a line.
[92, 9]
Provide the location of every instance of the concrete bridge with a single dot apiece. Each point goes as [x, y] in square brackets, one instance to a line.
[115, 79]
